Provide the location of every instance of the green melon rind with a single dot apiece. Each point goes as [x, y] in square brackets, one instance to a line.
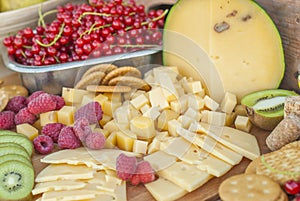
[27, 180]
[18, 139]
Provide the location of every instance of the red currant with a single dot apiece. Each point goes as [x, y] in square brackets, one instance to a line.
[292, 187]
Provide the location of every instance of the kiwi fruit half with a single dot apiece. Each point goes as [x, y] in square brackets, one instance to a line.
[14, 149]
[16, 157]
[17, 180]
[265, 108]
[18, 139]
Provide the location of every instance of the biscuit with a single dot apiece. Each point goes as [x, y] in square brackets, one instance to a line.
[14, 90]
[105, 68]
[122, 71]
[133, 82]
[110, 89]
[281, 165]
[249, 187]
[295, 145]
[251, 168]
[91, 79]
[3, 101]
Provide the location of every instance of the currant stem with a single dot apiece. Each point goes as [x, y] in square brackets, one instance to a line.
[92, 13]
[55, 39]
[88, 31]
[42, 16]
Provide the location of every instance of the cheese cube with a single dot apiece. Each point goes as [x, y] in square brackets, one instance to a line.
[133, 112]
[161, 136]
[73, 96]
[228, 103]
[185, 175]
[164, 190]
[167, 86]
[106, 133]
[149, 79]
[140, 146]
[115, 97]
[179, 90]
[240, 110]
[100, 98]
[145, 108]
[105, 118]
[195, 87]
[121, 115]
[152, 113]
[185, 121]
[139, 101]
[87, 99]
[195, 102]
[243, 123]
[230, 118]
[111, 141]
[170, 72]
[48, 117]
[210, 103]
[216, 118]
[185, 85]
[165, 117]
[143, 127]
[157, 98]
[112, 126]
[173, 125]
[125, 140]
[154, 146]
[37, 125]
[193, 114]
[204, 116]
[66, 115]
[109, 107]
[28, 130]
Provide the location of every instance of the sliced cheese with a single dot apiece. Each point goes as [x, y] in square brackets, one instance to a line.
[160, 160]
[61, 185]
[69, 195]
[164, 190]
[242, 142]
[178, 147]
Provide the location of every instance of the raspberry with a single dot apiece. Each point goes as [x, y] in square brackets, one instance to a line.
[16, 103]
[7, 120]
[95, 141]
[125, 166]
[34, 95]
[67, 139]
[43, 144]
[42, 103]
[144, 172]
[92, 111]
[60, 101]
[24, 116]
[52, 130]
[82, 128]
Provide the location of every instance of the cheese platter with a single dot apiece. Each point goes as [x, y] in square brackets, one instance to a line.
[189, 121]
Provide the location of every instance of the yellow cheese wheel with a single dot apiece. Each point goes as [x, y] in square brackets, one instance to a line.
[232, 45]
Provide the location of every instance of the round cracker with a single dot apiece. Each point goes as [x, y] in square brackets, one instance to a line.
[3, 101]
[109, 89]
[295, 145]
[105, 68]
[251, 168]
[122, 71]
[249, 187]
[14, 90]
[133, 82]
[91, 79]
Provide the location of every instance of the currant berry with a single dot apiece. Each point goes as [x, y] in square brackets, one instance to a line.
[292, 187]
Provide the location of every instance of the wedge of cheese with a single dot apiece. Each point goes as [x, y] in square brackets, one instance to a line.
[164, 190]
[239, 141]
[185, 175]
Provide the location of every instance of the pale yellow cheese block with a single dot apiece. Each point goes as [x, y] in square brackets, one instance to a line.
[27, 130]
[77, 156]
[239, 141]
[59, 185]
[160, 160]
[212, 146]
[70, 195]
[55, 172]
[185, 175]
[164, 190]
[178, 147]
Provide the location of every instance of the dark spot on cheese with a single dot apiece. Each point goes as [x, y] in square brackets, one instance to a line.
[232, 14]
[222, 26]
[246, 18]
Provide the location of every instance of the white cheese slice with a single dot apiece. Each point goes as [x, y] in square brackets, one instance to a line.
[160, 160]
[57, 186]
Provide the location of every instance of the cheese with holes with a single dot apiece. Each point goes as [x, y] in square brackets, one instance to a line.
[242, 142]
[185, 175]
[164, 190]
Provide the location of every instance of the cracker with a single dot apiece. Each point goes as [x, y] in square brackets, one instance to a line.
[251, 168]
[295, 145]
[249, 187]
[105, 68]
[91, 79]
[283, 197]
[110, 89]
[133, 82]
[14, 90]
[281, 166]
[3, 101]
[122, 71]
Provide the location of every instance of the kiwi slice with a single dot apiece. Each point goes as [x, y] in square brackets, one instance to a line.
[18, 139]
[15, 157]
[17, 180]
[8, 132]
[14, 149]
[266, 108]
